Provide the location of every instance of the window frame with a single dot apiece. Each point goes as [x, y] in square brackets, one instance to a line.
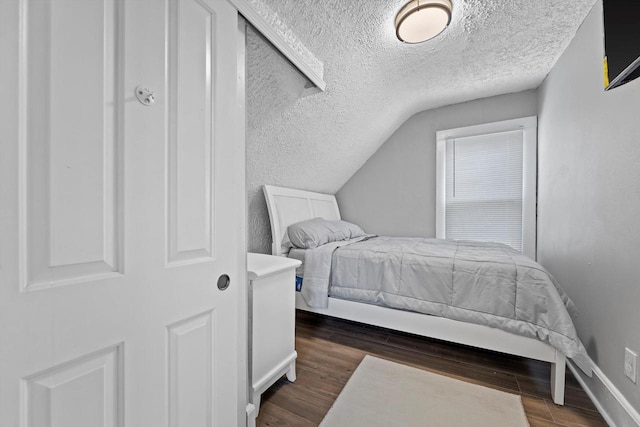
[528, 125]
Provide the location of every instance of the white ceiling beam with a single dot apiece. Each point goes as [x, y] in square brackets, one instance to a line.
[269, 25]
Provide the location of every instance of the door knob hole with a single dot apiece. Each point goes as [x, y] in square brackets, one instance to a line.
[223, 282]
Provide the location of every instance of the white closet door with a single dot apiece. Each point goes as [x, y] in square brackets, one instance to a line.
[117, 219]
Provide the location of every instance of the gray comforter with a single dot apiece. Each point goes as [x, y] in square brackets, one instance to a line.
[485, 283]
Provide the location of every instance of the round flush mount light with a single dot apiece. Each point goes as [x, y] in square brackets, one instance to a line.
[421, 20]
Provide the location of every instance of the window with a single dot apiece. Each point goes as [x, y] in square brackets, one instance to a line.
[486, 184]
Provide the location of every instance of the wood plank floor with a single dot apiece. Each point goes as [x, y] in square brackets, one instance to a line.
[330, 349]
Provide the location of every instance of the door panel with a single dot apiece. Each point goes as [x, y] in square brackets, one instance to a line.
[191, 138]
[84, 392]
[68, 168]
[136, 209]
[190, 373]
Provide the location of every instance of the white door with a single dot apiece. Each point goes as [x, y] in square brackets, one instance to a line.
[116, 218]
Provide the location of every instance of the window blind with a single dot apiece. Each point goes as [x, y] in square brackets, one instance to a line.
[484, 192]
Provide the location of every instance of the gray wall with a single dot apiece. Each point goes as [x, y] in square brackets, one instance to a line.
[589, 199]
[394, 193]
[273, 87]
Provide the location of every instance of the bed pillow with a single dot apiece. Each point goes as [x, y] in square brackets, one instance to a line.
[316, 232]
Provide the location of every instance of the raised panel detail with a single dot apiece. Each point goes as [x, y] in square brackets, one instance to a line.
[323, 208]
[84, 392]
[69, 141]
[190, 142]
[292, 210]
[190, 375]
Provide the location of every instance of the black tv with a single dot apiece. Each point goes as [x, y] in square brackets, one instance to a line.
[621, 42]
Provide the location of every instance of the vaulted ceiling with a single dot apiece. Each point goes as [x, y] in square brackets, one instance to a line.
[303, 138]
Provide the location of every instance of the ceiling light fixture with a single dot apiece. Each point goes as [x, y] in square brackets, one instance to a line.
[421, 20]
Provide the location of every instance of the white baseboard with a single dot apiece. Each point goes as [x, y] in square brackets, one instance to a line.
[608, 400]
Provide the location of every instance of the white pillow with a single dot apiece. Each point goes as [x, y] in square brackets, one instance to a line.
[316, 232]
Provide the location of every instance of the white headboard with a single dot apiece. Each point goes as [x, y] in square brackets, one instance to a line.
[288, 206]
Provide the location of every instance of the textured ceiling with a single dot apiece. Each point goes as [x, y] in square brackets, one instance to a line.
[303, 138]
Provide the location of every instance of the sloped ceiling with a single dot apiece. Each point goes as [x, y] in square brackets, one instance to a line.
[300, 137]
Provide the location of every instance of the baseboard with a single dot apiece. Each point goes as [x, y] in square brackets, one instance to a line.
[608, 400]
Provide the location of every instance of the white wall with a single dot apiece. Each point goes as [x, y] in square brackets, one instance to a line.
[589, 199]
[394, 193]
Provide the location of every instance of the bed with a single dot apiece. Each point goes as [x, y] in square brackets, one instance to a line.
[290, 206]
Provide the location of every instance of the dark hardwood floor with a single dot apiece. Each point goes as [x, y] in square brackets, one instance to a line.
[329, 350]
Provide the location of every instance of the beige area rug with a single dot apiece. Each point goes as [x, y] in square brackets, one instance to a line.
[383, 393]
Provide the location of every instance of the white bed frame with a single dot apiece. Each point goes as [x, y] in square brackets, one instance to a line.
[288, 206]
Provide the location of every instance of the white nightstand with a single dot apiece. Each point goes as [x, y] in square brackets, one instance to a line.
[271, 323]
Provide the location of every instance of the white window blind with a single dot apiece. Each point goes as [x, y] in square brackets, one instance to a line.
[484, 188]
